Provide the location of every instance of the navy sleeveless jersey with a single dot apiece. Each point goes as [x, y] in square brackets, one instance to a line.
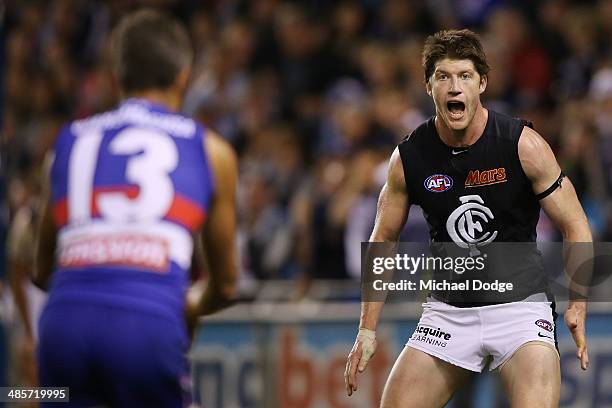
[475, 196]
[129, 188]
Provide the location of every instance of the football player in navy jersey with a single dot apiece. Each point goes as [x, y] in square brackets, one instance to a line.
[127, 190]
[480, 177]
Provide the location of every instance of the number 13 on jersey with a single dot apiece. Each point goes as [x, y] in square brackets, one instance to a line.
[153, 156]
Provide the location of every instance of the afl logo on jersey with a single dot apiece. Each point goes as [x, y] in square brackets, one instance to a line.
[438, 183]
[467, 224]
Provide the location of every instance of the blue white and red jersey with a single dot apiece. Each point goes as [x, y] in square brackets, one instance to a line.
[129, 189]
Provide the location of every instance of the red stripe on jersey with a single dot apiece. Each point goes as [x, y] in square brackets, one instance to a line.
[186, 212]
[182, 210]
[130, 191]
[60, 212]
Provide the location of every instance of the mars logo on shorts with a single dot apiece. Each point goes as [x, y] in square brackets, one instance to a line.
[544, 324]
[466, 225]
[438, 183]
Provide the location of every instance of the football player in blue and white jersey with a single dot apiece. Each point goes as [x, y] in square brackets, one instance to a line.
[127, 191]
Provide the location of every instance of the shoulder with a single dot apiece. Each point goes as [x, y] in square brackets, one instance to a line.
[531, 144]
[396, 179]
[507, 127]
[221, 156]
[535, 154]
[419, 134]
[503, 118]
[216, 146]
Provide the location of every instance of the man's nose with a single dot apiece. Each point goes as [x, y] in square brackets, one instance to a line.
[455, 87]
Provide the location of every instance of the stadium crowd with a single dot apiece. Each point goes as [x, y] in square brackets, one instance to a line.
[314, 95]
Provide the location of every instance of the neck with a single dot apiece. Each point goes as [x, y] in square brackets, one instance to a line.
[159, 97]
[464, 137]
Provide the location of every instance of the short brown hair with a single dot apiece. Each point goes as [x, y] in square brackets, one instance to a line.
[455, 44]
[148, 50]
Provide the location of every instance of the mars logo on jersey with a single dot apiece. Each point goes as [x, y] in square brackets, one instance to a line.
[438, 183]
[477, 178]
[465, 224]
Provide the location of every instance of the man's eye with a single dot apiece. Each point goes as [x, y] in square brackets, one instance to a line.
[465, 76]
[442, 77]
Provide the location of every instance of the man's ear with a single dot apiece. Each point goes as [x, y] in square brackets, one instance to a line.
[428, 87]
[483, 84]
[115, 87]
[182, 80]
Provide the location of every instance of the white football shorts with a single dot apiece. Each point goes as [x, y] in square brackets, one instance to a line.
[473, 337]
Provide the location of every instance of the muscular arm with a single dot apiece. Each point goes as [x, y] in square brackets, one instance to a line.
[46, 232]
[564, 209]
[391, 214]
[19, 264]
[219, 234]
[562, 205]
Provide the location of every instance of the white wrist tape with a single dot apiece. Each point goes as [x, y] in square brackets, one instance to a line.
[367, 334]
[367, 338]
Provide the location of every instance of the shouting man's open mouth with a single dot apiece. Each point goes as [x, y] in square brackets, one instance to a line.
[455, 109]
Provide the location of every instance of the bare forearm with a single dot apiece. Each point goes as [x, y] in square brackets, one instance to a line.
[378, 235]
[45, 245]
[17, 281]
[578, 256]
[370, 313]
[221, 285]
[217, 296]
[391, 215]
[578, 231]
[383, 243]
[45, 262]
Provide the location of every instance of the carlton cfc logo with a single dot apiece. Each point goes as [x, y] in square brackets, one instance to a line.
[466, 225]
[438, 183]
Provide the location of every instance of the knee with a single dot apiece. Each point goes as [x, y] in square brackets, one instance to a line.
[388, 403]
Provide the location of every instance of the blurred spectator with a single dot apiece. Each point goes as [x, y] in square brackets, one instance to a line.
[511, 34]
[272, 168]
[577, 67]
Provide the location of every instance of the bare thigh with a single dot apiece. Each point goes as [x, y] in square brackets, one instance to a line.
[532, 377]
[419, 380]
